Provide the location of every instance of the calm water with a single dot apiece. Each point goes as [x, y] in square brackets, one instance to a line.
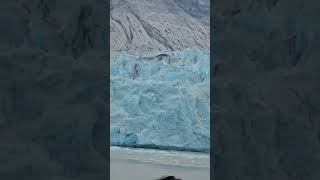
[148, 164]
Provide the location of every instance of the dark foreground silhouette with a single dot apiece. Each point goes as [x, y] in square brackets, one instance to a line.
[169, 178]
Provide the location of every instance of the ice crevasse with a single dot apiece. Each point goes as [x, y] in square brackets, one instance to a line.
[161, 100]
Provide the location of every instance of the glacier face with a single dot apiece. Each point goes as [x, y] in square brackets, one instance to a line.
[161, 100]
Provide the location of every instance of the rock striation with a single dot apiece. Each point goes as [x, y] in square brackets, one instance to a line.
[150, 25]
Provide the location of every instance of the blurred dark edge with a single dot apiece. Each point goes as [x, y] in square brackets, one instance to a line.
[212, 121]
[54, 89]
[266, 102]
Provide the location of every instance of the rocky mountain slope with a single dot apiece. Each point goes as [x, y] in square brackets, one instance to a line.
[153, 25]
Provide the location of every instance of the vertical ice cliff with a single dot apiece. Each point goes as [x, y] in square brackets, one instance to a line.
[161, 100]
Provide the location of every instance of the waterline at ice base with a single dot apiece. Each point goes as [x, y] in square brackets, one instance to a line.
[161, 100]
[151, 164]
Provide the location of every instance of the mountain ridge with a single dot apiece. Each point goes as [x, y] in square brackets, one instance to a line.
[140, 26]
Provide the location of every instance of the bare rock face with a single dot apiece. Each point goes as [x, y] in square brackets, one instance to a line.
[152, 25]
[266, 90]
[52, 90]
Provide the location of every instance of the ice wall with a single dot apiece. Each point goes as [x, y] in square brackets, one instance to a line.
[161, 101]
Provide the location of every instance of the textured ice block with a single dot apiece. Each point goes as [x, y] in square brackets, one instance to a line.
[161, 100]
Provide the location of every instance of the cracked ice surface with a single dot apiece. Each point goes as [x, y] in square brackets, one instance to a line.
[160, 103]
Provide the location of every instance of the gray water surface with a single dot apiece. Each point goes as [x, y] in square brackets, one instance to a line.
[149, 164]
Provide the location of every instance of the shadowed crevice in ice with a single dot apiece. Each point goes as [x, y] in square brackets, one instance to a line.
[161, 100]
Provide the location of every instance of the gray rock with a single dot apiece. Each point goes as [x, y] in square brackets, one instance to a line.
[151, 25]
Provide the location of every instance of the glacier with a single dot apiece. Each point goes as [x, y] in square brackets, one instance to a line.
[161, 100]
